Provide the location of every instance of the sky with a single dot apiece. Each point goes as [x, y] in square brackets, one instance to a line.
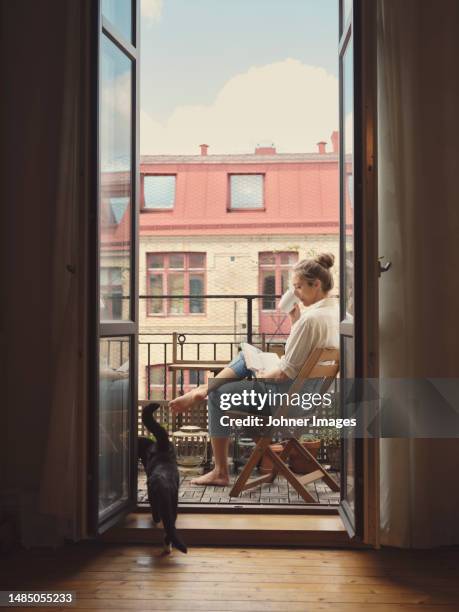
[237, 73]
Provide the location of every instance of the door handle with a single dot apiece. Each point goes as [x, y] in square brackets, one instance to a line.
[383, 267]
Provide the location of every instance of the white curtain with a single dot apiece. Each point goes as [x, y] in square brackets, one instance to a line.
[418, 102]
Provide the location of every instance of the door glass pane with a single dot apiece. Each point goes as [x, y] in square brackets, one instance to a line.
[111, 290]
[288, 259]
[196, 377]
[268, 287]
[196, 288]
[267, 259]
[117, 304]
[348, 178]
[348, 409]
[114, 422]
[346, 8]
[285, 277]
[156, 288]
[115, 180]
[176, 287]
[157, 375]
[119, 13]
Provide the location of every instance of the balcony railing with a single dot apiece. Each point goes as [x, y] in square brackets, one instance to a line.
[197, 342]
[247, 299]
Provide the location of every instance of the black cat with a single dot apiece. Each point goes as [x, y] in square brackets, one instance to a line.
[160, 465]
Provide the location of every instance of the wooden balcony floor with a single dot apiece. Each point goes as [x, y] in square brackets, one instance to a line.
[277, 493]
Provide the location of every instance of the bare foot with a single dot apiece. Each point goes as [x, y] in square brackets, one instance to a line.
[188, 400]
[212, 478]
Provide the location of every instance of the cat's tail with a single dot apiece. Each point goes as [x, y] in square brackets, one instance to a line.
[168, 518]
[161, 435]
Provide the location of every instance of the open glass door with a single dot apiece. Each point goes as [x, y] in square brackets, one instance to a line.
[358, 253]
[116, 328]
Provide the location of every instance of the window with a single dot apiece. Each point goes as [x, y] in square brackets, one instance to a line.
[176, 274]
[161, 381]
[159, 191]
[246, 191]
[274, 274]
[111, 293]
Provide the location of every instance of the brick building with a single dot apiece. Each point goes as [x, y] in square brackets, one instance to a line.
[217, 225]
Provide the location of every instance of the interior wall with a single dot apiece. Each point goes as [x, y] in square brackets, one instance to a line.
[418, 102]
[42, 266]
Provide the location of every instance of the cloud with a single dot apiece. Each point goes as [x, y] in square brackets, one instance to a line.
[115, 122]
[151, 11]
[289, 103]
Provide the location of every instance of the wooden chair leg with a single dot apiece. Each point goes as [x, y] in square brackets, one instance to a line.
[280, 467]
[247, 470]
[283, 469]
[329, 480]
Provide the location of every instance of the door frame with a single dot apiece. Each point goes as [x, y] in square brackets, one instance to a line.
[102, 27]
[369, 297]
[368, 351]
[365, 327]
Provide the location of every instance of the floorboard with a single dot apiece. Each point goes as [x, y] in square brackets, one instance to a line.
[115, 577]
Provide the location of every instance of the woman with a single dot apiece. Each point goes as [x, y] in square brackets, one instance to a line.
[314, 327]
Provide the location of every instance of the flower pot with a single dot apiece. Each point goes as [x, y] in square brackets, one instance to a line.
[300, 464]
[266, 464]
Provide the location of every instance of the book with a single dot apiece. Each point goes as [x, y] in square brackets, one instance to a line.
[257, 360]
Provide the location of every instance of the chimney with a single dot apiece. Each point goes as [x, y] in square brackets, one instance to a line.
[204, 148]
[321, 147]
[265, 149]
[335, 141]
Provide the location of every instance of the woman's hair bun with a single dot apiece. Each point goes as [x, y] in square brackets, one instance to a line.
[326, 260]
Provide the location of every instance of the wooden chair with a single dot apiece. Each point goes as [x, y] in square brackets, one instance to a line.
[321, 364]
[187, 364]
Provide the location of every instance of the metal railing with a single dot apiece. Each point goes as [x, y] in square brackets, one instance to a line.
[249, 300]
[214, 336]
[195, 342]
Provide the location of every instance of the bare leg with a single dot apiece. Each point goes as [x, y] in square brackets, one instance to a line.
[219, 476]
[193, 397]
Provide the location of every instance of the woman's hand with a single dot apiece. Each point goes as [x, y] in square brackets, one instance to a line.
[294, 314]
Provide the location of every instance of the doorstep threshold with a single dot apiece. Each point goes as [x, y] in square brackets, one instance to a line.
[227, 529]
[201, 508]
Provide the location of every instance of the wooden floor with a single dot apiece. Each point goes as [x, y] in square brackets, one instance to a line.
[217, 579]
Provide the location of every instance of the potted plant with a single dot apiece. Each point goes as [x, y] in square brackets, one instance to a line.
[300, 464]
[332, 443]
[266, 465]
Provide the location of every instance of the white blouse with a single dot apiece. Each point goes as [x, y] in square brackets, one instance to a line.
[317, 327]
